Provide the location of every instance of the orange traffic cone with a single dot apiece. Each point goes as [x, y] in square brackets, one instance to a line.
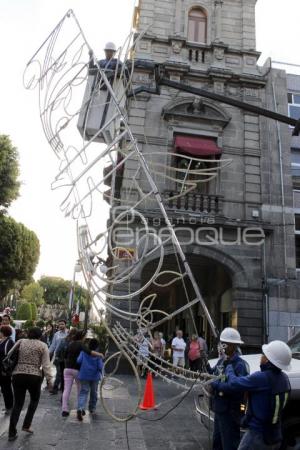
[149, 400]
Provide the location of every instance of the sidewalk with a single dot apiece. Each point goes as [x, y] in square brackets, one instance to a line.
[180, 430]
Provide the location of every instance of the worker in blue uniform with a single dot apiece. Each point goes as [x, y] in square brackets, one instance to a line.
[227, 408]
[267, 391]
[109, 62]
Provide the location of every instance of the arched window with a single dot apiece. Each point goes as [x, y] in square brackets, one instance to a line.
[197, 26]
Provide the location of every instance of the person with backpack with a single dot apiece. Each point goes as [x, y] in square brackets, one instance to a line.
[268, 392]
[227, 407]
[90, 373]
[6, 343]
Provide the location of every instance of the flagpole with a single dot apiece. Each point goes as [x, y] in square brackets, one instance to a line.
[77, 268]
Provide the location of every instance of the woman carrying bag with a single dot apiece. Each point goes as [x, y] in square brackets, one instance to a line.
[6, 343]
[27, 376]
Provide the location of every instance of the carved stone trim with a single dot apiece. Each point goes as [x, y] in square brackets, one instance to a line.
[194, 108]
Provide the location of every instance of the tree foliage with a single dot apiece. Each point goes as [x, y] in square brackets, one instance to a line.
[57, 291]
[19, 253]
[9, 172]
[24, 311]
[33, 293]
[28, 324]
[34, 311]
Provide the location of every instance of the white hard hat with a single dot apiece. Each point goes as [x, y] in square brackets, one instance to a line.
[231, 336]
[279, 354]
[110, 46]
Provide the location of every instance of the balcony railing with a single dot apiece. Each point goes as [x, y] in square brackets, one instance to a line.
[193, 202]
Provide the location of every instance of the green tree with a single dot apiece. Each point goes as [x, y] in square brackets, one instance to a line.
[19, 253]
[57, 291]
[24, 311]
[33, 293]
[9, 172]
[34, 311]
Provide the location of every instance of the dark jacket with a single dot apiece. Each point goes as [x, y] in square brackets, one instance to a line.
[5, 346]
[224, 401]
[72, 352]
[267, 395]
[47, 338]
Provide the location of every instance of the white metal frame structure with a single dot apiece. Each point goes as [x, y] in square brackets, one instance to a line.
[59, 70]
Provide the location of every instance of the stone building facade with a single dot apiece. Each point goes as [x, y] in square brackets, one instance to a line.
[210, 44]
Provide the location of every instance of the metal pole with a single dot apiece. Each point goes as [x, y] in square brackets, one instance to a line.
[71, 295]
[281, 185]
[87, 310]
[228, 101]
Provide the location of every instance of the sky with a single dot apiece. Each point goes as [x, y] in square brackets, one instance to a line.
[24, 24]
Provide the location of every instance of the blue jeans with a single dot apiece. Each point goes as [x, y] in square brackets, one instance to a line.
[86, 388]
[254, 440]
[226, 434]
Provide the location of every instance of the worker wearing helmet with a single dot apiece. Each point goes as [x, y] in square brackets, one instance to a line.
[109, 62]
[110, 50]
[268, 392]
[227, 407]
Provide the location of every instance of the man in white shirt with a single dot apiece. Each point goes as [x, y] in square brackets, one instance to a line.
[178, 347]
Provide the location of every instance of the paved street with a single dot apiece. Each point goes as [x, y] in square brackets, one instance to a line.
[181, 429]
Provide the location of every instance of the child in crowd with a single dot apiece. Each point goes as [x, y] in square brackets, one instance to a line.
[89, 376]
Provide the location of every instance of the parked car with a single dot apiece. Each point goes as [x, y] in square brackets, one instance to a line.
[291, 414]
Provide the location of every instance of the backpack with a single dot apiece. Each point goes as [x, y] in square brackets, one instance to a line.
[10, 360]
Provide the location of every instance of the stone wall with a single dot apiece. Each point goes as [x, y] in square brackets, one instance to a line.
[250, 187]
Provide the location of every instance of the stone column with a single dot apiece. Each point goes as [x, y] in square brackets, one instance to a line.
[248, 18]
[178, 17]
[218, 20]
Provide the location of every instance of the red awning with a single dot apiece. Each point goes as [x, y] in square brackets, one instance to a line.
[196, 146]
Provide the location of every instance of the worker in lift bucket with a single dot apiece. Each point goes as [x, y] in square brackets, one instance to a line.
[109, 62]
[227, 407]
[267, 392]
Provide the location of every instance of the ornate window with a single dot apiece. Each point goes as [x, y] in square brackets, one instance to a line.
[197, 26]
